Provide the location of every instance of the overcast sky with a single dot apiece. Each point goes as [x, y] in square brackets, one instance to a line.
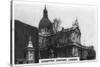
[31, 13]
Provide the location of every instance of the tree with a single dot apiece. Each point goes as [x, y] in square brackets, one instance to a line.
[56, 25]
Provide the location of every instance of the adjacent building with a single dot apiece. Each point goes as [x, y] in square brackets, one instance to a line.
[26, 43]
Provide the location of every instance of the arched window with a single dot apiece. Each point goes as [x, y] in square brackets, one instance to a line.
[75, 52]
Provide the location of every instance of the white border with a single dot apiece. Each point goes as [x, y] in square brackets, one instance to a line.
[54, 3]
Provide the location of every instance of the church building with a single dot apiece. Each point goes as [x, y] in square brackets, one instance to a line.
[45, 33]
[57, 44]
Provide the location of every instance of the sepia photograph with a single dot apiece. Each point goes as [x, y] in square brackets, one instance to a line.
[52, 33]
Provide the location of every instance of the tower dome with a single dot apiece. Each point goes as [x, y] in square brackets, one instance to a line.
[30, 43]
[45, 22]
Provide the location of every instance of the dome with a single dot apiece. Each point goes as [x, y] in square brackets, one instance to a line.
[45, 22]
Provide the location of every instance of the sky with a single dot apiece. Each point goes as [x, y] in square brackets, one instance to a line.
[32, 12]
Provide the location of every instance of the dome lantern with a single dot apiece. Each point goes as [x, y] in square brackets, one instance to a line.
[45, 12]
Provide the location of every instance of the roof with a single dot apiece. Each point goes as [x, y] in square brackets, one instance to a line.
[45, 23]
[30, 43]
[72, 29]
